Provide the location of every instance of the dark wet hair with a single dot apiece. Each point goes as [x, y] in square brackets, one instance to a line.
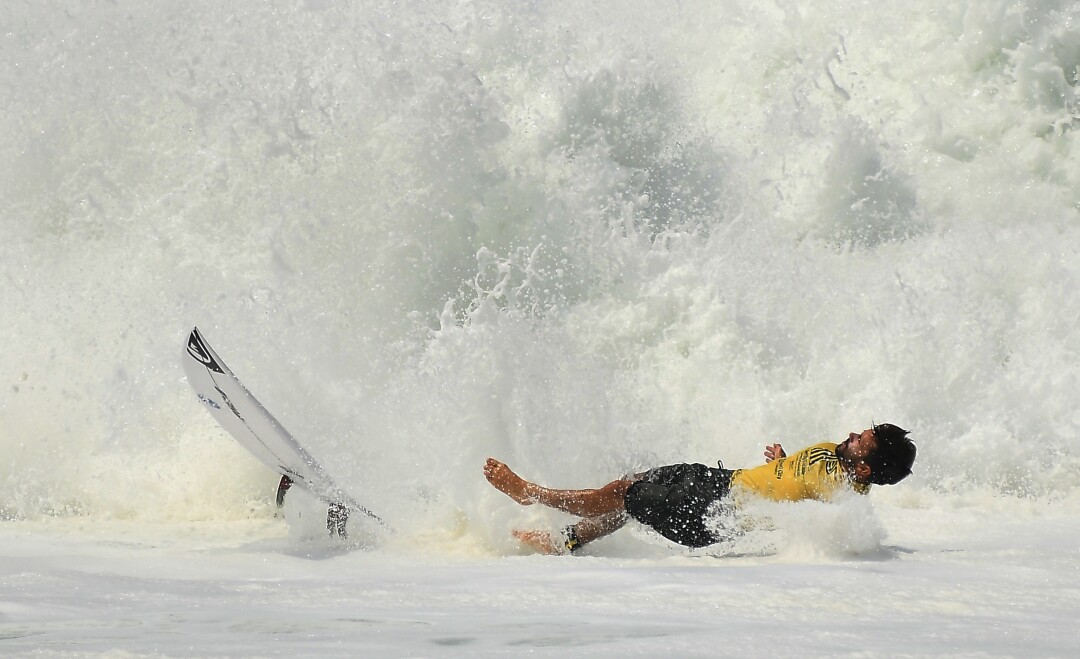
[891, 462]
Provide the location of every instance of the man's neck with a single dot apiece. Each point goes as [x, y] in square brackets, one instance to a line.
[849, 470]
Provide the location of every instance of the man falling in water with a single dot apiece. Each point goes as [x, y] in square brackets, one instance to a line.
[676, 500]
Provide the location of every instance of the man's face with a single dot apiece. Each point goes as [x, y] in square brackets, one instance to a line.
[857, 447]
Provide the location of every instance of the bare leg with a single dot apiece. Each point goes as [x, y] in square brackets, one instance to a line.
[592, 528]
[585, 531]
[583, 503]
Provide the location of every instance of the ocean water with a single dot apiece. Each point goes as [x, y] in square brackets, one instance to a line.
[583, 237]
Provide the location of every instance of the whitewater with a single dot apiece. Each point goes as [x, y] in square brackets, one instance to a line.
[585, 238]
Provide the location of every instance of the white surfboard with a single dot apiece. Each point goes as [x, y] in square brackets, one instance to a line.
[259, 432]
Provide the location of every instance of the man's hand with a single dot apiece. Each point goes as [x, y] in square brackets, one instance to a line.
[774, 452]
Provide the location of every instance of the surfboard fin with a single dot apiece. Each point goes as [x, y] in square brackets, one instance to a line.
[283, 486]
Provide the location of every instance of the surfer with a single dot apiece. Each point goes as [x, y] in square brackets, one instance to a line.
[676, 500]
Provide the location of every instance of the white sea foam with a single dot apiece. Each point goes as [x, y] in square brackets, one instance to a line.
[587, 238]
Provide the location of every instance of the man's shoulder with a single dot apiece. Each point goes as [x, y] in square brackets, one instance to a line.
[820, 446]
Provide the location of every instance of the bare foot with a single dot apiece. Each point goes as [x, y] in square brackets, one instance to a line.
[506, 481]
[539, 540]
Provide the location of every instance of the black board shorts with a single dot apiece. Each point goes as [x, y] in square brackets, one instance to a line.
[675, 501]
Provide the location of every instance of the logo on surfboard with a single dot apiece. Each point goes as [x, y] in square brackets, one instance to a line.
[198, 349]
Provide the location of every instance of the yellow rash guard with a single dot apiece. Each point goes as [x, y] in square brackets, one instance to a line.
[812, 473]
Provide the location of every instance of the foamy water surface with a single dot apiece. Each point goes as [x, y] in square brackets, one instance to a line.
[585, 238]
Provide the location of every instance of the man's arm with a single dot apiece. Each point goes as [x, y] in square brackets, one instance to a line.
[774, 452]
